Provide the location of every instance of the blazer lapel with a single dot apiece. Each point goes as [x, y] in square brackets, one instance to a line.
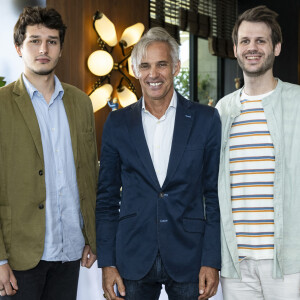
[136, 131]
[26, 108]
[182, 128]
[71, 115]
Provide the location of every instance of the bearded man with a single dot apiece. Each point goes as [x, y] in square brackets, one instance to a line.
[259, 170]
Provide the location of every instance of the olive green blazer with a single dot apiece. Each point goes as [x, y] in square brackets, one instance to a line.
[22, 180]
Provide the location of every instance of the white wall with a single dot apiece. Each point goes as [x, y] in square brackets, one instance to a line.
[11, 66]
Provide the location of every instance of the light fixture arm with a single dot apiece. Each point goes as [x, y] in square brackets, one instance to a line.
[102, 45]
[120, 84]
[130, 84]
[100, 82]
[123, 45]
[126, 57]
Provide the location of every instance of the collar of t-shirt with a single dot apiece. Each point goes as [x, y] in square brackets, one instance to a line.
[256, 97]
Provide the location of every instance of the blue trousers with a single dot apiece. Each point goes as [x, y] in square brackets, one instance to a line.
[149, 287]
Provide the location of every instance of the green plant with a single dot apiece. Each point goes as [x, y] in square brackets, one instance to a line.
[2, 82]
[204, 86]
[182, 82]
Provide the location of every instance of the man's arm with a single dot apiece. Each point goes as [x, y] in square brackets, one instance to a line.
[95, 162]
[107, 210]
[108, 197]
[211, 252]
[89, 252]
[8, 282]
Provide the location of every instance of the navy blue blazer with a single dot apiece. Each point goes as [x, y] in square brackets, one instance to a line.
[181, 219]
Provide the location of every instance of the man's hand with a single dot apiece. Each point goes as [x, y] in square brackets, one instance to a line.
[208, 282]
[110, 277]
[8, 281]
[88, 257]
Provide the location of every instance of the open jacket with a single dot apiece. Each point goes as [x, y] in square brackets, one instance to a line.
[282, 110]
[172, 219]
[22, 180]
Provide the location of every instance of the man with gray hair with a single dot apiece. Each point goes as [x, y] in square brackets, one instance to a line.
[163, 151]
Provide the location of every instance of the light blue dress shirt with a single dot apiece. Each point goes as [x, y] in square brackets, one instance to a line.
[64, 240]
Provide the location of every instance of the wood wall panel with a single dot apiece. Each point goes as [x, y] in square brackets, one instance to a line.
[81, 41]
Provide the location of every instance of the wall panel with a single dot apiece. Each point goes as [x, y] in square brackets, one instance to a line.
[81, 40]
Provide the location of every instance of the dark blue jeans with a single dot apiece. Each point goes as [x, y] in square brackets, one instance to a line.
[149, 287]
[47, 281]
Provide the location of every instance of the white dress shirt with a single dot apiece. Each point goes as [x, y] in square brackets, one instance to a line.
[159, 136]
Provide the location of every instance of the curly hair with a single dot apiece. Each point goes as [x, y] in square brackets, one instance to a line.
[48, 17]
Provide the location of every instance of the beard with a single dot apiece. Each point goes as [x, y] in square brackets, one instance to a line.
[38, 70]
[266, 66]
[45, 72]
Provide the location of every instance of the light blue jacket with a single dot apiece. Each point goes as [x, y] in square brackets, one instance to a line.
[282, 110]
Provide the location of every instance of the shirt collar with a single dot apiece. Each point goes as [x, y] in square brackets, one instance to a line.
[173, 102]
[32, 90]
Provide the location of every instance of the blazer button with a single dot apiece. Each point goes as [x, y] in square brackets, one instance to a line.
[161, 195]
[41, 206]
[41, 172]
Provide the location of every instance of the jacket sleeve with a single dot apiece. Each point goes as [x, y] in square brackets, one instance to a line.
[108, 197]
[93, 170]
[3, 253]
[211, 253]
[95, 158]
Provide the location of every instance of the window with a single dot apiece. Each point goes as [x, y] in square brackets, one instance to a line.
[207, 74]
[198, 78]
[182, 80]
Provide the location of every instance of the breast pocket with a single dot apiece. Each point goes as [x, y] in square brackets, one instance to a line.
[192, 160]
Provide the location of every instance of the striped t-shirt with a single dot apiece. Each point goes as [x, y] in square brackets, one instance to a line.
[252, 167]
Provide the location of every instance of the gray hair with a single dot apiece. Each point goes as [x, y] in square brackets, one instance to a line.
[155, 34]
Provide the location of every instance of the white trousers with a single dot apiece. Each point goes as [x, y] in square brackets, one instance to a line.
[257, 283]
